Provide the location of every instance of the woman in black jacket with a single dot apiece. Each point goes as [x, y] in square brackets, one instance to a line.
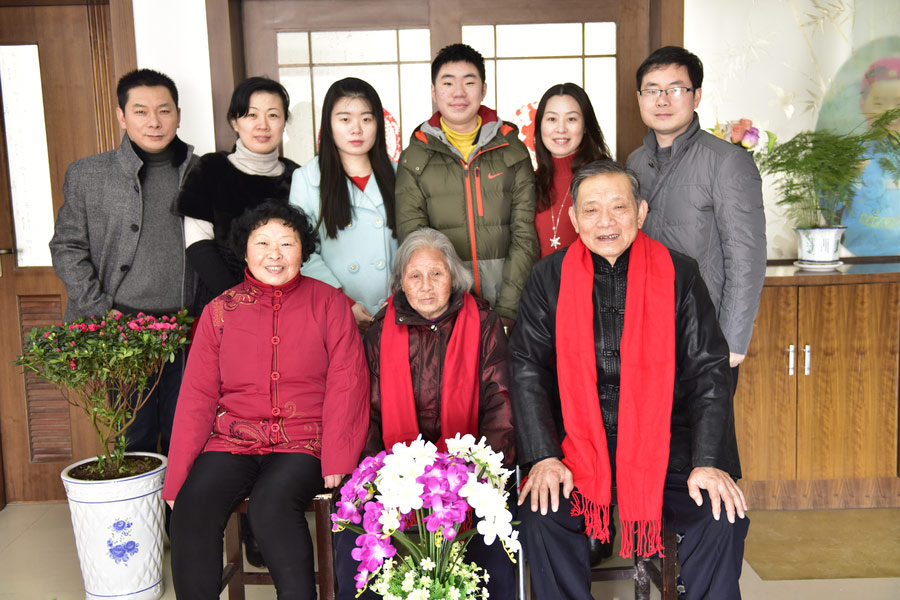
[223, 185]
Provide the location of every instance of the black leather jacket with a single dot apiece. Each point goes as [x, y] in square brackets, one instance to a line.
[702, 414]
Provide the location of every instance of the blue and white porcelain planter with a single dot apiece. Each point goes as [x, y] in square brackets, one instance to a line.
[119, 533]
[820, 244]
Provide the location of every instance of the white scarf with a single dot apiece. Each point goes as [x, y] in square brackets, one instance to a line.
[253, 163]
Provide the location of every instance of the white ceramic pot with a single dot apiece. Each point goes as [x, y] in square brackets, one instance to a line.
[119, 533]
[819, 245]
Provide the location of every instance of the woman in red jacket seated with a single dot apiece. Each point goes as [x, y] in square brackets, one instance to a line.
[273, 407]
[438, 362]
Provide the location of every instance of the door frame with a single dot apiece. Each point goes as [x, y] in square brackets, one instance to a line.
[79, 103]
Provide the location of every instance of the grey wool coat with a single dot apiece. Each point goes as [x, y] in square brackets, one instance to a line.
[707, 202]
[94, 243]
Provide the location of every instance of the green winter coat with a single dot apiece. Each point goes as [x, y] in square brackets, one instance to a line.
[485, 206]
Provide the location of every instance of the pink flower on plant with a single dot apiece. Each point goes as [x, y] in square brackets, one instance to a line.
[361, 578]
[751, 138]
[72, 364]
[738, 129]
[371, 554]
[346, 511]
[370, 519]
[46, 334]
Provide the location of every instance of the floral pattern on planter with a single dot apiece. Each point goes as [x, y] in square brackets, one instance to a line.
[121, 548]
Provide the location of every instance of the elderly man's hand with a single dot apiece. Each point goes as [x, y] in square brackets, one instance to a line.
[721, 488]
[543, 484]
[734, 359]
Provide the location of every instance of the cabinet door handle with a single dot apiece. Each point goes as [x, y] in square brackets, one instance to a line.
[791, 355]
[806, 359]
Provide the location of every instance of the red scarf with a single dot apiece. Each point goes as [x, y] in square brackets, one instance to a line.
[646, 389]
[459, 380]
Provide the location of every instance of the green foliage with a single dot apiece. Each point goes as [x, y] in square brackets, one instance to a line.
[100, 362]
[820, 170]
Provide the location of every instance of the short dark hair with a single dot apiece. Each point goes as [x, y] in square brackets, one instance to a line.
[604, 167]
[280, 210]
[144, 77]
[240, 98]
[457, 53]
[673, 55]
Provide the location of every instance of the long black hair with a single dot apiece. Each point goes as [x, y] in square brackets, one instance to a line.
[593, 146]
[334, 199]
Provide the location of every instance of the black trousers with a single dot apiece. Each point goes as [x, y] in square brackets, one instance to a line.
[711, 552]
[152, 428]
[493, 559]
[279, 485]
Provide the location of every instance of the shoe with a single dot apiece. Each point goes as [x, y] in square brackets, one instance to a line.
[599, 551]
[251, 548]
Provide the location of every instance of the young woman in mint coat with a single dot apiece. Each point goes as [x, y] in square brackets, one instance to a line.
[348, 192]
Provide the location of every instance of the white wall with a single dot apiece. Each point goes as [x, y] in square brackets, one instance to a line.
[773, 61]
[171, 37]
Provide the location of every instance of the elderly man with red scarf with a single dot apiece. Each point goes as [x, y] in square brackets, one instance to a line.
[621, 381]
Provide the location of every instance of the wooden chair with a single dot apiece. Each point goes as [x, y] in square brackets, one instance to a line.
[234, 577]
[644, 571]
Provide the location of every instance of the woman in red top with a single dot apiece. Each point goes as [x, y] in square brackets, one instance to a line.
[274, 407]
[567, 136]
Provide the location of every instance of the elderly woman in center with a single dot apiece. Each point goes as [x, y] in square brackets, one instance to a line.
[274, 407]
[438, 363]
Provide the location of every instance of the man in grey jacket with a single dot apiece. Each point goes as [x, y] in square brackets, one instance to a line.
[704, 193]
[118, 246]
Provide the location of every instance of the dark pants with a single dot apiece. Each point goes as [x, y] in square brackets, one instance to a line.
[152, 429]
[493, 559]
[710, 551]
[279, 485]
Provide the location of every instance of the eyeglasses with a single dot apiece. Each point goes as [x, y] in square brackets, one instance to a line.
[673, 92]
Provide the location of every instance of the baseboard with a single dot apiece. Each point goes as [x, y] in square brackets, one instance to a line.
[870, 492]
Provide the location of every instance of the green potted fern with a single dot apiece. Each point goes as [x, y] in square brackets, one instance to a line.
[817, 176]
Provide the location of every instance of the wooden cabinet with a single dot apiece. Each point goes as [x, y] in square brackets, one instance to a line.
[817, 403]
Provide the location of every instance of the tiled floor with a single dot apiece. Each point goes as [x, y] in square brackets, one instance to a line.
[38, 562]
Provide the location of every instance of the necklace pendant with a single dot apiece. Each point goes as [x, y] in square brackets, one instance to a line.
[554, 242]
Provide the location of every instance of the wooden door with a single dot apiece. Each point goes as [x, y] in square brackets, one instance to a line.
[847, 405]
[765, 405]
[39, 432]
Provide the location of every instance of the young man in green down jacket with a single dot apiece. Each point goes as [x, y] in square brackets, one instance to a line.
[467, 174]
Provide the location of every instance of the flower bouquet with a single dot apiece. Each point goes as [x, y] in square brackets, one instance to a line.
[100, 362]
[743, 133]
[415, 489]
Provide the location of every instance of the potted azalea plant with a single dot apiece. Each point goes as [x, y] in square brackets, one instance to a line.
[108, 366]
[818, 173]
[410, 506]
